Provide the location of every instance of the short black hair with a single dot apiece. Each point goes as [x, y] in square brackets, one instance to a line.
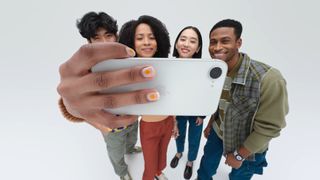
[196, 54]
[92, 21]
[236, 25]
[159, 30]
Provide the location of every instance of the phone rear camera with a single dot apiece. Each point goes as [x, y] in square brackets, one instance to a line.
[215, 72]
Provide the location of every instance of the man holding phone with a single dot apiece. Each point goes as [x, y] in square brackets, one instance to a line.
[120, 138]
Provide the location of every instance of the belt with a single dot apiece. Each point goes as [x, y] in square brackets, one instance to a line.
[119, 129]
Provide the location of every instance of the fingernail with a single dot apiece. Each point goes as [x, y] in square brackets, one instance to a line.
[153, 96]
[148, 71]
[130, 52]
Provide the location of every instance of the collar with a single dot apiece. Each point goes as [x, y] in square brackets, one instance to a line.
[241, 76]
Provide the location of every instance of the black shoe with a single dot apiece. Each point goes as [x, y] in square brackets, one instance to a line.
[175, 161]
[187, 172]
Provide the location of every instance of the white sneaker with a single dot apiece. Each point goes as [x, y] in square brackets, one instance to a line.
[161, 177]
[126, 177]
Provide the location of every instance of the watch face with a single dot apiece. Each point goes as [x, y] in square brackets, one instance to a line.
[238, 157]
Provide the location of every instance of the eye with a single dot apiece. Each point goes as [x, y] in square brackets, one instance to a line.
[109, 35]
[139, 38]
[152, 37]
[213, 42]
[225, 41]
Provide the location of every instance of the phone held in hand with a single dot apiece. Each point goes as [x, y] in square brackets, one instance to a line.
[186, 86]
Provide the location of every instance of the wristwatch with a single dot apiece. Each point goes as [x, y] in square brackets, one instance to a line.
[238, 156]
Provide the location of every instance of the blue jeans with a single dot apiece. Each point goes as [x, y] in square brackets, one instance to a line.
[210, 160]
[194, 135]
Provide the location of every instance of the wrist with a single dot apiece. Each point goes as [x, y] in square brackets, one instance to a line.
[244, 152]
[66, 114]
[238, 156]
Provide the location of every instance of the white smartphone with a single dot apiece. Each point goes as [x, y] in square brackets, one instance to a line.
[186, 86]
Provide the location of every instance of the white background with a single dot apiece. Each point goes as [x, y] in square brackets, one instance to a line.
[36, 36]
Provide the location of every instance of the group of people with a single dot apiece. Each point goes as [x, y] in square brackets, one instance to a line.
[251, 110]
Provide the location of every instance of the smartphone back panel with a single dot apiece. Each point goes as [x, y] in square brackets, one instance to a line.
[186, 86]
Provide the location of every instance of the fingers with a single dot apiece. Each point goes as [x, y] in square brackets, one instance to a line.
[110, 101]
[175, 134]
[90, 54]
[105, 80]
[198, 122]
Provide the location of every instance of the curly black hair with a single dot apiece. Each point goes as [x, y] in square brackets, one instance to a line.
[127, 32]
[196, 54]
[92, 21]
[236, 25]
[159, 30]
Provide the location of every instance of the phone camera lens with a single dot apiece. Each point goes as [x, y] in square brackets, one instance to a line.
[215, 72]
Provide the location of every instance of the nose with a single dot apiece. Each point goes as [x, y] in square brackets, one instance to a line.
[218, 47]
[146, 41]
[103, 39]
[186, 43]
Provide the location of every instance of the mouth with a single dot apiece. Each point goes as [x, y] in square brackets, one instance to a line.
[147, 50]
[219, 55]
[184, 50]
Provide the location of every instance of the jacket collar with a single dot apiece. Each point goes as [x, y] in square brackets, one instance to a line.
[241, 76]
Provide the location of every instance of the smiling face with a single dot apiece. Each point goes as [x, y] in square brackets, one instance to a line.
[224, 45]
[187, 44]
[145, 42]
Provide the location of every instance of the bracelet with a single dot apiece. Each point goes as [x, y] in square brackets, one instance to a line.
[66, 114]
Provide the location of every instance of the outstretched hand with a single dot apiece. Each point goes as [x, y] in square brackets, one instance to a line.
[80, 88]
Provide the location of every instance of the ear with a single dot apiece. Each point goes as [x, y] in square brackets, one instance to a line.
[239, 43]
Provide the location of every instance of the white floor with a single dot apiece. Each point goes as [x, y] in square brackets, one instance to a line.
[45, 146]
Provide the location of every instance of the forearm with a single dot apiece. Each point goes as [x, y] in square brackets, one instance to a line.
[256, 142]
[212, 119]
[262, 133]
[270, 116]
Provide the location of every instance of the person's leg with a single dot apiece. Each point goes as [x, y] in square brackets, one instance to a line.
[116, 148]
[182, 126]
[132, 137]
[249, 168]
[194, 137]
[211, 157]
[150, 142]
[166, 128]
